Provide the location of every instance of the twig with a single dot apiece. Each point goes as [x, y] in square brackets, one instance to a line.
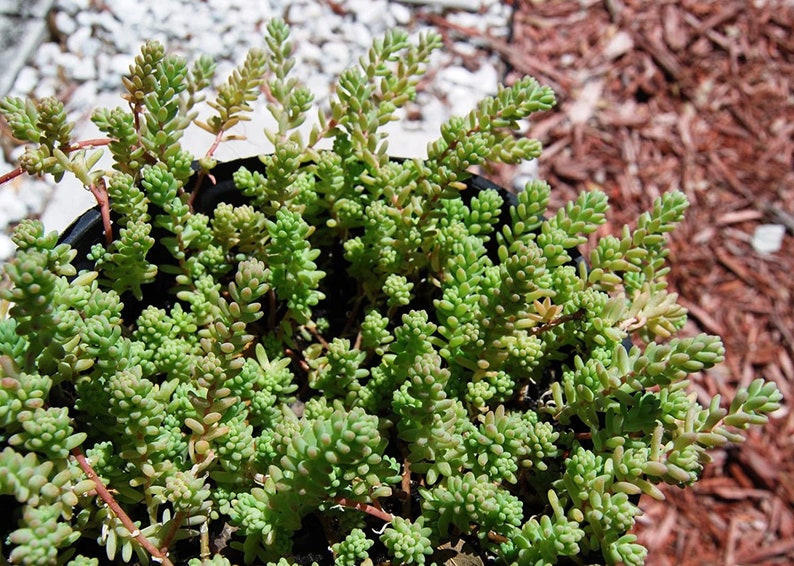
[314, 332]
[100, 192]
[578, 315]
[113, 505]
[169, 538]
[13, 174]
[366, 508]
[406, 487]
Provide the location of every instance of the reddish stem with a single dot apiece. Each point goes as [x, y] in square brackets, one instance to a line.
[113, 505]
[11, 175]
[96, 142]
[169, 538]
[216, 142]
[578, 315]
[366, 508]
[100, 193]
[406, 487]
[66, 149]
[314, 332]
[200, 178]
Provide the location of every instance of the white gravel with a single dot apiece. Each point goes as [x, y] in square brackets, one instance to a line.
[96, 42]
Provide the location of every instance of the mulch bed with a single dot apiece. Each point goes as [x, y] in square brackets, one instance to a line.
[696, 96]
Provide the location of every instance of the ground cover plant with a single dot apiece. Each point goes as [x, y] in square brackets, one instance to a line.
[346, 356]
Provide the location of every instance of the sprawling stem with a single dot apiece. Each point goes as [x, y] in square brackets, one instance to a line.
[366, 508]
[159, 555]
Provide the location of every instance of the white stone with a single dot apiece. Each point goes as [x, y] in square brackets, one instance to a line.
[67, 61]
[120, 64]
[35, 194]
[319, 84]
[469, 20]
[360, 34]
[45, 58]
[401, 14]
[73, 6]
[12, 208]
[84, 70]
[7, 247]
[109, 26]
[91, 47]
[110, 69]
[461, 100]
[83, 99]
[130, 10]
[308, 53]
[370, 13]
[465, 48]
[160, 12]
[26, 81]
[768, 238]
[336, 58]
[76, 41]
[486, 79]
[65, 23]
[47, 86]
[87, 18]
[526, 172]
[457, 75]
[306, 13]
[69, 200]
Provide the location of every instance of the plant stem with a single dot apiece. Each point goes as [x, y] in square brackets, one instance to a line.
[406, 487]
[169, 538]
[366, 508]
[13, 174]
[100, 193]
[102, 491]
[578, 315]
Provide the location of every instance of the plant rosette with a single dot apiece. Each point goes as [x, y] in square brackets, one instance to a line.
[329, 355]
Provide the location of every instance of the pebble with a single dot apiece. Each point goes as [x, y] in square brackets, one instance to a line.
[7, 247]
[526, 172]
[400, 13]
[44, 61]
[27, 79]
[72, 7]
[12, 209]
[371, 14]
[768, 238]
[336, 57]
[65, 23]
[84, 69]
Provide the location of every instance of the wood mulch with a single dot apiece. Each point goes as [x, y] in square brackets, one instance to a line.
[696, 96]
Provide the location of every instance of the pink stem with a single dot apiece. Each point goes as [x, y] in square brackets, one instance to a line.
[117, 510]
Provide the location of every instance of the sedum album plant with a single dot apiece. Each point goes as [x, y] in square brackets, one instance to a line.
[348, 358]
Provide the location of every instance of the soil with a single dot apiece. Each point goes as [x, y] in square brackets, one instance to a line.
[696, 96]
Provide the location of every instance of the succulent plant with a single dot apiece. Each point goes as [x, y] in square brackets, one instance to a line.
[346, 356]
